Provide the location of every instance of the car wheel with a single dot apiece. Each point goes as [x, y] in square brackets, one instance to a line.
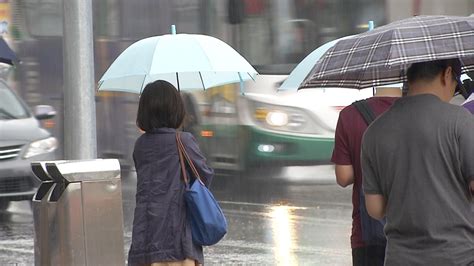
[4, 204]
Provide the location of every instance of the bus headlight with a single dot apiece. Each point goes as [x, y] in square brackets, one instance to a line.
[41, 146]
[283, 118]
[277, 118]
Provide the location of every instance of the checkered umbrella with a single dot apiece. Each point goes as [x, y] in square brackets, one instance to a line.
[382, 56]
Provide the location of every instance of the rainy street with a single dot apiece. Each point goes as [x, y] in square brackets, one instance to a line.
[300, 216]
[267, 94]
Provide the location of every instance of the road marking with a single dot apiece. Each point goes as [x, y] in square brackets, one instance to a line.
[25, 246]
[295, 207]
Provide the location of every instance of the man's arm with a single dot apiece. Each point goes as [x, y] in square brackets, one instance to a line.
[375, 204]
[344, 175]
[466, 145]
[341, 154]
[374, 200]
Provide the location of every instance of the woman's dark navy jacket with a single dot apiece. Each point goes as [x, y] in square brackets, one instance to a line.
[160, 229]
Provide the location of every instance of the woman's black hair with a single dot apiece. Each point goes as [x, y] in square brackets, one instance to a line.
[160, 106]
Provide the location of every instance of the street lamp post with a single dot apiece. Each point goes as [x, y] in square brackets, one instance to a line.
[80, 140]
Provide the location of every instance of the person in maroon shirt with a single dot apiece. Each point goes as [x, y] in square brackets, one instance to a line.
[346, 155]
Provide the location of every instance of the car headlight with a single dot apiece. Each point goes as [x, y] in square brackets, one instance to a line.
[41, 146]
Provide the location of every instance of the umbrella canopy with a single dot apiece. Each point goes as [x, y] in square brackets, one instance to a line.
[382, 56]
[302, 70]
[7, 55]
[188, 61]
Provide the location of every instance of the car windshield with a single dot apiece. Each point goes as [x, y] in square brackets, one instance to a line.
[10, 105]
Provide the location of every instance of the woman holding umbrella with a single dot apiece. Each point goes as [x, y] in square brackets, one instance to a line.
[161, 233]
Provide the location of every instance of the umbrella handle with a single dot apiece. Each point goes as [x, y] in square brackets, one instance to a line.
[371, 25]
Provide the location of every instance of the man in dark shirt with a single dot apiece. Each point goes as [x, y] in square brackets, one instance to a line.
[417, 162]
[346, 155]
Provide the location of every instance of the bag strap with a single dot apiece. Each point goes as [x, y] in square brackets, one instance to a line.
[181, 161]
[188, 159]
[184, 157]
[364, 109]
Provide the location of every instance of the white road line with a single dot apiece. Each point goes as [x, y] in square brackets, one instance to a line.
[25, 246]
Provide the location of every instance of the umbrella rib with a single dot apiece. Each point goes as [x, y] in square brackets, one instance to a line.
[250, 76]
[241, 84]
[143, 83]
[202, 81]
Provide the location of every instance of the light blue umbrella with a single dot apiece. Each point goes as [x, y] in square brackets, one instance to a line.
[188, 61]
[302, 70]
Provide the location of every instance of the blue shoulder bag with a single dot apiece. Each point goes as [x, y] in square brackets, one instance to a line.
[208, 223]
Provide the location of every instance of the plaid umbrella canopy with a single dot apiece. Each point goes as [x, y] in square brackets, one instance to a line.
[382, 56]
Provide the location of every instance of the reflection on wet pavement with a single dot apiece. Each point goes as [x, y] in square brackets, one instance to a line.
[283, 234]
[16, 235]
[270, 223]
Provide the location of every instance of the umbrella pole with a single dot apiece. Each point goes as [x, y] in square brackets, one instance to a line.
[177, 83]
[177, 80]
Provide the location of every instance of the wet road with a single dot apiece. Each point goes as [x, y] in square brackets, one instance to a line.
[299, 218]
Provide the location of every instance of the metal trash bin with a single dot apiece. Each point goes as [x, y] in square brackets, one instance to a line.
[78, 213]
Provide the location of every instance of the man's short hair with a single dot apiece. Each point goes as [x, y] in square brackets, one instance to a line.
[430, 69]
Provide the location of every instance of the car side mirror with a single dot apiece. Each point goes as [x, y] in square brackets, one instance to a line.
[44, 112]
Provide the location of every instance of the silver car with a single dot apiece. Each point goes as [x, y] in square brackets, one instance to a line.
[22, 140]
